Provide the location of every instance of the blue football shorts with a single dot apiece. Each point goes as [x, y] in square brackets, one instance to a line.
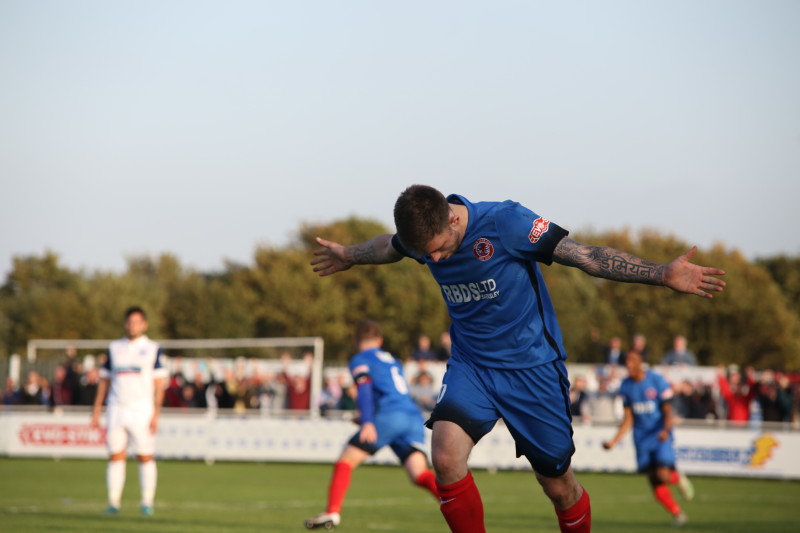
[652, 453]
[402, 431]
[533, 403]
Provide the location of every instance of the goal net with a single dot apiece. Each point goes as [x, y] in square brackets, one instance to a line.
[283, 361]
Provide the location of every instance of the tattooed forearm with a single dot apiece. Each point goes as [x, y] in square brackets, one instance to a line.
[364, 254]
[608, 263]
[376, 251]
[620, 266]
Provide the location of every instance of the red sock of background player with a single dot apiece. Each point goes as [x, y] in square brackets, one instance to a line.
[462, 506]
[578, 518]
[664, 497]
[674, 477]
[427, 480]
[342, 473]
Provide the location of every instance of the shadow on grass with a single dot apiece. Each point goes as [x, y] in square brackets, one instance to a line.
[65, 522]
[738, 526]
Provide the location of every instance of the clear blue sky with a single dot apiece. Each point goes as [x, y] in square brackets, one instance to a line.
[204, 129]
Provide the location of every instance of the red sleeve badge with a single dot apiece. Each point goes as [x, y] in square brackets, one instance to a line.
[540, 227]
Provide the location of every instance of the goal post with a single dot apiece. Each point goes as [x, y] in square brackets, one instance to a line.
[254, 348]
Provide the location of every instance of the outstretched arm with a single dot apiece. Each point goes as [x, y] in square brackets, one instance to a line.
[604, 262]
[333, 257]
[624, 427]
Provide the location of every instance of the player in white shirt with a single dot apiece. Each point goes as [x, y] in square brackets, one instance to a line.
[133, 380]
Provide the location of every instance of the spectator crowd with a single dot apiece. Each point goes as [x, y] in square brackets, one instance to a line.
[71, 384]
[732, 394]
[701, 393]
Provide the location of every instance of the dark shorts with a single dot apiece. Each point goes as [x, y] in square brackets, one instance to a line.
[533, 403]
[402, 431]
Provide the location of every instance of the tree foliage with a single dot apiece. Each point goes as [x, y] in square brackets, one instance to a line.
[756, 320]
[785, 271]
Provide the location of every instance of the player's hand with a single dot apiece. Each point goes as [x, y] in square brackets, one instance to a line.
[607, 445]
[368, 433]
[663, 435]
[154, 424]
[683, 276]
[329, 259]
[95, 423]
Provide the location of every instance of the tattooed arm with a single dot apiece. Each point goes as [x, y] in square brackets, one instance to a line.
[333, 257]
[605, 262]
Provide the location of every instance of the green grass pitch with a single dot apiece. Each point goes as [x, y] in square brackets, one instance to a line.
[38, 495]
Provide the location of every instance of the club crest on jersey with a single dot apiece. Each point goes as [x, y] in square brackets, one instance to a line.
[651, 394]
[483, 249]
[540, 227]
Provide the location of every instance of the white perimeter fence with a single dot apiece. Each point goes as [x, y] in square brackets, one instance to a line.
[757, 451]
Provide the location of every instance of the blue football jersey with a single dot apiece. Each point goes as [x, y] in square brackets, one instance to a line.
[500, 310]
[385, 374]
[645, 399]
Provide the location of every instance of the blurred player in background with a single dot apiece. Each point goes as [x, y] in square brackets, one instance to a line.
[133, 379]
[507, 353]
[387, 415]
[647, 399]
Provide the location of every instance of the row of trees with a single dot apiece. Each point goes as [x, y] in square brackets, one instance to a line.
[755, 321]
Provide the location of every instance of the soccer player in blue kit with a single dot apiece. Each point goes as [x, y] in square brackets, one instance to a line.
[388, 416]
[647, 399]
[507, 356]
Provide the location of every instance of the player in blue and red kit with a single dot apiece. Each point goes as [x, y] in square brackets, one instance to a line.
[507, 356]
[647, 398]
[388, 417]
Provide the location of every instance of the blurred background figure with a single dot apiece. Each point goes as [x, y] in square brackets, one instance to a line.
[443, 354]
[639, 345]
[614, 353]
[579, 400]
[682, 402]
[298, 385]
[423, 351]
[11, 394]
[32, 391]
[679, 354]
[61, 388]
[331, 393]
[606, 404]
[348, 401]
[774, 397]
[423, 391]
[738, 392]
[87, 386]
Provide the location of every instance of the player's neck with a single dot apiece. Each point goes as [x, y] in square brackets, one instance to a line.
[369, 344]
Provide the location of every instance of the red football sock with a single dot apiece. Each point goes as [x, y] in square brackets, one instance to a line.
[342, 472]
[427, 480]
[664, 496]
[462, 506]
[578, 518]
[674, 477]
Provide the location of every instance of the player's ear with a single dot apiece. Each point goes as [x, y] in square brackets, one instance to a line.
[454, 218]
